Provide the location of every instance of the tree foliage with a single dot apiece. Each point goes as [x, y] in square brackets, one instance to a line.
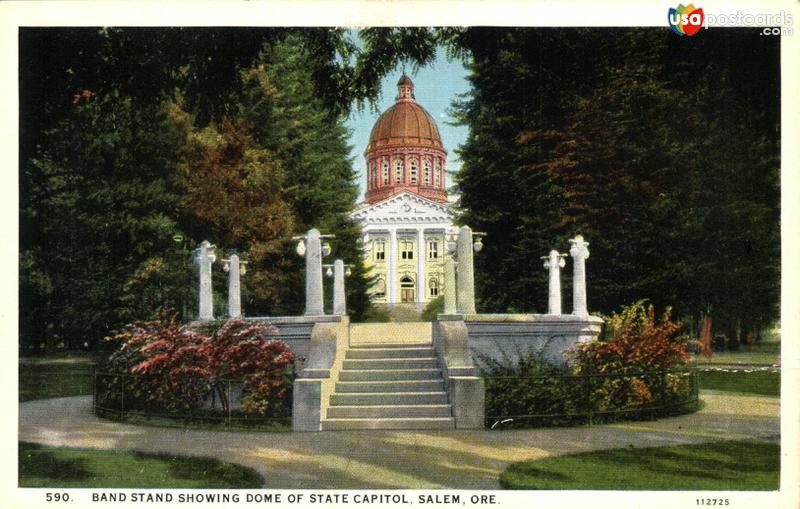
[136, 144]
[660, 151]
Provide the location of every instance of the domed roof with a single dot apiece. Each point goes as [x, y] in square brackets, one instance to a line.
[405, 124]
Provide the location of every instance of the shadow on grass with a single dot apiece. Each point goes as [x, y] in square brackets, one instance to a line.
[211, 472]
[36, 461]
[718, 465]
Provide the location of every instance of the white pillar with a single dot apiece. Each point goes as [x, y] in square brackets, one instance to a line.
[554, 262]
[579, 252]
[234, 287]
[391, 277]
[339, 307]
[313, 274]
[449, 284]
[204, 257]
[422, 293]
[465, 281]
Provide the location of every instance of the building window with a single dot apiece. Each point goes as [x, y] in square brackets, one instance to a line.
[380, 250]
[407, 250]
[437, 169]
[433, 250]
[385, 171]
[373, 175]
[398, 170]
[414, 171]
[426, 172]
[434, 287]
[380, 288]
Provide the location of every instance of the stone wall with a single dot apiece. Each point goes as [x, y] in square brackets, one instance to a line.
[511, 335]
[295, 331]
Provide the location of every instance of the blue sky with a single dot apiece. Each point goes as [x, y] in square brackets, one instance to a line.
[435, 86]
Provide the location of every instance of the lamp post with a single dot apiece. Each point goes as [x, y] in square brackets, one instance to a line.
[204, 256]
[465, 285]
[555, 262]
[234, 267]
[311, 247]
[450, 274]
[339, 271]
[579, 252]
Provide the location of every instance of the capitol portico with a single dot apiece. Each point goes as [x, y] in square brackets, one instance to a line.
[406, 218]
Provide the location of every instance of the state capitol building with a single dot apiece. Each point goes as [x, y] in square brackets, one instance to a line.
[406, 214]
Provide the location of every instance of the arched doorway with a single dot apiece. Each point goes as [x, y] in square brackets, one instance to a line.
[407, 289]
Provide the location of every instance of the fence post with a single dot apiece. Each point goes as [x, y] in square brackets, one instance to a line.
[122, 401]
[94, 390]
[589, 398]
[230, 403]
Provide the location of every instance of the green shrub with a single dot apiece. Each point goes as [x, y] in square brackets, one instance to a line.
[378, 313]
[433, 309]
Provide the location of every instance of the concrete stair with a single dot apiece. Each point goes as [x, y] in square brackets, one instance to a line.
[385, 385]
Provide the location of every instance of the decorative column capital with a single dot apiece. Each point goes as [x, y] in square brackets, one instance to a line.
[554, 259]
[579, 248]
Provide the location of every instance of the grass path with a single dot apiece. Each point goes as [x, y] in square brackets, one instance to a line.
[396, 459]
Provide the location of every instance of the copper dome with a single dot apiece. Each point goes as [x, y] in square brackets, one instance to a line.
[405, 124]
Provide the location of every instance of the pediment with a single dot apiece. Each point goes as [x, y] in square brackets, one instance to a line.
[404, 208]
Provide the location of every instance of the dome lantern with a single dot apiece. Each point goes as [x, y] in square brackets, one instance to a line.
[405, 89]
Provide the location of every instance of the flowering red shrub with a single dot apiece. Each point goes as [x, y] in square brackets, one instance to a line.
[638, 347]
[179, 369]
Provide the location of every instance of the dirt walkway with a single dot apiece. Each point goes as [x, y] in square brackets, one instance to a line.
[395, 459]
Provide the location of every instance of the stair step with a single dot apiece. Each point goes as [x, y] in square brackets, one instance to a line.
[357, 364]
[382, 344]
[389, 398]
[389, 353]
[365, 375]
[399, 386]
[388, 411]
[401, 423]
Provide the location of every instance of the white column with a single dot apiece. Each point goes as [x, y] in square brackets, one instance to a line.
[579, 252]
[554, 262]
[339, 307]
[465, 285]
[449, 284]
[422, 292]
[234, 287]
[391, 277]
[204, 257]
[314, 274]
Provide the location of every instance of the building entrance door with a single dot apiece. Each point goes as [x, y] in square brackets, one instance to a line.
[407, 289]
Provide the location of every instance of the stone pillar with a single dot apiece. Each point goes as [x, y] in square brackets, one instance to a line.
[339, 306]
[579, 252]
[234, 287]
[554, 262]
[314, 274]
[391, 277]
[465, 280]
[449, 284]
[422, 293]
[204, 257]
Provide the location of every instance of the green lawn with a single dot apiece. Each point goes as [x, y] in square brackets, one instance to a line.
[41, 466]
[766, 383]
[715, 466]
[55, 377]
[753, 355]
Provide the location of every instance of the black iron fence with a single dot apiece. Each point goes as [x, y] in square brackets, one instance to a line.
[186, 402]
[563, 400]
